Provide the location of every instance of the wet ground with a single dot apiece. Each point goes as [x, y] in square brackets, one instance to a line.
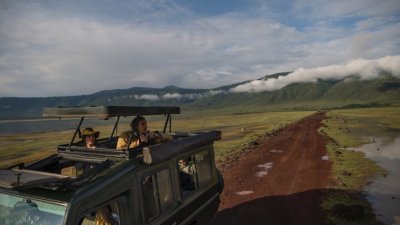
[281, 181]
[384, 192]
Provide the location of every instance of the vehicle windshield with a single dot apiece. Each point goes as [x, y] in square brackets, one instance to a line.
[20, 210]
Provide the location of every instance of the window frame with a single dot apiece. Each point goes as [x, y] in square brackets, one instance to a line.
[210, 150]
[211, 176]
[151, 171]
[120, 200]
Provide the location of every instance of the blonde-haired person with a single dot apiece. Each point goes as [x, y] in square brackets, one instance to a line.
[104, 217]
[141, 137]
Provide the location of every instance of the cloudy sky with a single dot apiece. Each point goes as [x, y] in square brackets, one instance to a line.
[53, 48]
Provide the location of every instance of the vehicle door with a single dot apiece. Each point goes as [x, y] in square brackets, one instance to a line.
[157, 193]
[197, 185]
[179, 191]
[109, 213]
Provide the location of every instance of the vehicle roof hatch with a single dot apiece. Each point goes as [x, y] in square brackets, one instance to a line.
[21, 178]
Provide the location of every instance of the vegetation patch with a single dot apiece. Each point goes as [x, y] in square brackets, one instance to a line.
[346, 207]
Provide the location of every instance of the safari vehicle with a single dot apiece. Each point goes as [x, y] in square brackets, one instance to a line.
[143, 185]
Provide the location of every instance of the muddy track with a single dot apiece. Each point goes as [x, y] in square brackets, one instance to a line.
[281, 181]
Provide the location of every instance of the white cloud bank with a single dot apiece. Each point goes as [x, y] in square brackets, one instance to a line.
[177, 96]
[364, 68]
[147, 97]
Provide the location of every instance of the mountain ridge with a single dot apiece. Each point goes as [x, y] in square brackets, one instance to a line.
[384, 90]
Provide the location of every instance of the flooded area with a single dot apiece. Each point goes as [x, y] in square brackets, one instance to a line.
[8, 127]
[384, 191]
[33, 126]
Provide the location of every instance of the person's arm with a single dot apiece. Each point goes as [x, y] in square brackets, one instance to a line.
[167, 137]
[121, 143]
[153, 136]
[158, 137]
[123, 139]
[134, 144]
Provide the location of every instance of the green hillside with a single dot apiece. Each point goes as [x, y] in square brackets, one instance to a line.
[322, 94]
[349, 92]
[15, 108]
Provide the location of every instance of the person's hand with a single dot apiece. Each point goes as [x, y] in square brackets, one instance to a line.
[143, 137]
[152, 135]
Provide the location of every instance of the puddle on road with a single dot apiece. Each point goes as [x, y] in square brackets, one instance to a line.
[266, 167]
[276, 151]
[384, 192]
[261, 173]
[244, 192]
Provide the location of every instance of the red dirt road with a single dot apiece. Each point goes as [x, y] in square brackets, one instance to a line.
[281, 181]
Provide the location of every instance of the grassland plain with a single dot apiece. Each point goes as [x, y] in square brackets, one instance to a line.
[237, 128]
[350, 128]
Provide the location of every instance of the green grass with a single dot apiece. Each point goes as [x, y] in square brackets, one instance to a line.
[237, 129]
[351, 170]
[338, 196]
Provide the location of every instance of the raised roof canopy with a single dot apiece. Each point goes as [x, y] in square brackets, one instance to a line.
[105, 112]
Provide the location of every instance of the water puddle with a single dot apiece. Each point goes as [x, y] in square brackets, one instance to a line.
[384, 192]
[325, 157]
[276, 151]
[261, 173]
[266, 167]
[244, 192]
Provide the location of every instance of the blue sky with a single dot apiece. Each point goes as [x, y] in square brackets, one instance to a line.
[55, 48]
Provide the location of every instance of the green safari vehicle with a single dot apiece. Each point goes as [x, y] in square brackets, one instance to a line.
[174, 182]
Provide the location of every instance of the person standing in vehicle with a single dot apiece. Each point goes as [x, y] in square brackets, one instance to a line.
[141, 136]
[89, 141]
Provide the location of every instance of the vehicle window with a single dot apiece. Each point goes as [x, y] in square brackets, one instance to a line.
[149, 196]
[203, 165]
[165, 189]
[194, 172]
[187, 174]
[22, 210]
[105, 215]
[157, 194]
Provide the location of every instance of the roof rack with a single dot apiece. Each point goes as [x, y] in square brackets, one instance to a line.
[19, 177]
[79, 151]
[158, 152]
[42, 173]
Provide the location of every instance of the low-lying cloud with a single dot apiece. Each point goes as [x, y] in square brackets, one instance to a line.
[147, 97]
[177, 96]
[363, 68]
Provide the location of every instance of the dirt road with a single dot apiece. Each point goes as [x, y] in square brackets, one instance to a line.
[281, 181]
